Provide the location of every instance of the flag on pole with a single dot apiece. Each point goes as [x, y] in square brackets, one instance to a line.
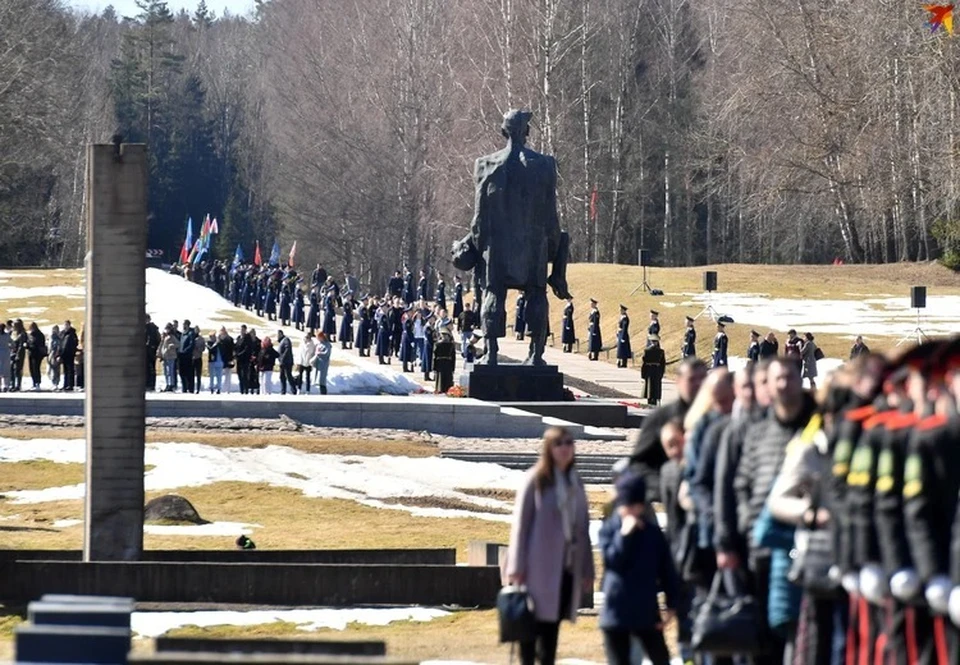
[184, 252]
[275, 254]
[237, 257]
[214, 227]
[256, 254]
[293, 251]
[189, 240]
[193, 252]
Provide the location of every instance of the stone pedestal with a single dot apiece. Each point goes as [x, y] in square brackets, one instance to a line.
[513, 383]
[115, 367]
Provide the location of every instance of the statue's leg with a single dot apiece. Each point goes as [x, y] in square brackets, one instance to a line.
[537, 312]
[493, 318]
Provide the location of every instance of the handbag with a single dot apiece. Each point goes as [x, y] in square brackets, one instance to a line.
[818, 353]
[727, 624]
[515, 614]
[811, 567]
[695, 564]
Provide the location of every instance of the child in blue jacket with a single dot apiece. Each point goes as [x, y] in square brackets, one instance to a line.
[638, 565]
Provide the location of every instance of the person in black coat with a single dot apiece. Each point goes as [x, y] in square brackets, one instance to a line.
[422, 287]
[36, 352]
[457, 297]
[396, 325]
[753, 350]
[298, 318]
[152, 344]
[408, 352]
[720, 347]
[408, 294]
[319, 276]
[346, 327]
[284, 311]
[653, 330]
[68, 355]
[593, 328]
[243, 351]
[363, 330]
[395, 285]
[652, 369]
[329, 315]
[185, 357]
[228, 356]
[384, 333]
[426, 364]
[441, 293]
[769, 347]
[285, 356]
[520, 321]
[859, 348]
[568, 335]
[313, 318]
[624, 352]
[689, 340]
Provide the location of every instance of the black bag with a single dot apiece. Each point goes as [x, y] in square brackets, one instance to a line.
[726, 625]
[515, 612]
[811, 567]
[695, 565]
[818, 353]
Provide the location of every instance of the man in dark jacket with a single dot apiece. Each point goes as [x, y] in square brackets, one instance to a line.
[764, 450]
[648, 454]
[285, 349]
[228, 355]
[153, 343]
[68, 355]
[185, 357]
[243, 350]
[395, 285]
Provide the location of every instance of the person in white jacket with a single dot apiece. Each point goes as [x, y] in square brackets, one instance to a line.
[305, 355]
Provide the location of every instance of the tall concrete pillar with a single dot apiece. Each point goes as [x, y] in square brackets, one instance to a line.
[116, 205]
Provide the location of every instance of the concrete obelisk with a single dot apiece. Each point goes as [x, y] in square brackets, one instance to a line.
[115, 371]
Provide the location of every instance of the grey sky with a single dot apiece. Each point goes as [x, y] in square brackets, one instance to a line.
[129, 7]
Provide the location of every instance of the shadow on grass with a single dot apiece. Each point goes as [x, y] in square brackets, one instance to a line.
[20, 529]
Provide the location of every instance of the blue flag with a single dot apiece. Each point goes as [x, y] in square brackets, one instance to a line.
[275, 254]
[237, 257]
[189, 239]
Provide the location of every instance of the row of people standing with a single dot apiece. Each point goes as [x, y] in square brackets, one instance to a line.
[22, 347]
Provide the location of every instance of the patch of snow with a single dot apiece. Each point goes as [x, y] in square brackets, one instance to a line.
[879, 317]
[21, 292]
[155, 624]
[212, 529]
[11, 274]
[366, 480]
[9, 518]
[27, 310]
[63, 524]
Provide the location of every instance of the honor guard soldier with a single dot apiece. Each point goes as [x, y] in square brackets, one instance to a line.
[720, 347]
[653, 330]
[689, 340]
[440, 296]
[623, 338]
[422, 287]
[593, 328]
[519, 320]
[652, 369]
[568, 334]
[753, 350]
[457, 297]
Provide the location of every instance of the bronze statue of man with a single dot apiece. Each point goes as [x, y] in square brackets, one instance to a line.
[514, 235]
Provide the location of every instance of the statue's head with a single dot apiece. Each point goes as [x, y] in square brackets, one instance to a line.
[516, 124]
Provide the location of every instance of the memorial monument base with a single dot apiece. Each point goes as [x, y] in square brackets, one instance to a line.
[513, 383]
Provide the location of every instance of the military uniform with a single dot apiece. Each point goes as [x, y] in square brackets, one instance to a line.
[651, 371]
[568, 335]
[689, 349]
[720, 349]
[596, 340]
[457, 300]
[624, 353]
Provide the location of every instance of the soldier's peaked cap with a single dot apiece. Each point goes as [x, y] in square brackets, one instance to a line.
[623, 307]
[754, 333]
[593, 300]
[689, 319]
[655, 312]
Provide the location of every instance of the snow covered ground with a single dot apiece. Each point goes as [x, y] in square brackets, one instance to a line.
[380, 482]
[154, 624]
[860, 315]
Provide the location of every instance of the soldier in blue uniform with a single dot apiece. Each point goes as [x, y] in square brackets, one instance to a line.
[313, 319]
[346, 325]
[408, 352]
[395, 285]
[689, 340]
[520, 321]
[363, 329]
[298, 308]
[285, 305]
[422, 287]
[720, 347]
[441, 292]
[653, 330]
[426, 363]
[329, 315]
[407, 286]
[623, 338]
[753, 351]
[569, 334]
[596, 339]
[384, 330]
[457, 297]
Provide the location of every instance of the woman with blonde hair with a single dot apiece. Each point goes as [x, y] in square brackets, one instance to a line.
[550, 548]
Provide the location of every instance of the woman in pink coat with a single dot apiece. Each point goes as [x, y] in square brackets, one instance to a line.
[550, 549]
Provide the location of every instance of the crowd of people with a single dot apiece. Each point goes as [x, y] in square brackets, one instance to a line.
[27, 347]
[827, 518]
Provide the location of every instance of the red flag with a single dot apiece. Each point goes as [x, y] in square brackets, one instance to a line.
[293, 251]
[205, 229]
[593, 203]
[184, 253]
[256, 255]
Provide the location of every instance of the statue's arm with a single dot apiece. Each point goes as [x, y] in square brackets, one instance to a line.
[553, 220]
[479, 228]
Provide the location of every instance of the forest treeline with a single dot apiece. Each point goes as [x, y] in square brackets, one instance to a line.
[767, 131]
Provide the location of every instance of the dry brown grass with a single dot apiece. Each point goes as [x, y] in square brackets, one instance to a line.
[443, 502]
[612, 285]
[460, 636]
[289, 520]
[38, 474]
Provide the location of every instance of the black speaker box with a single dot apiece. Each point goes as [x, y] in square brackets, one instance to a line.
[710, 280]
[918, 297]
[643, 258]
